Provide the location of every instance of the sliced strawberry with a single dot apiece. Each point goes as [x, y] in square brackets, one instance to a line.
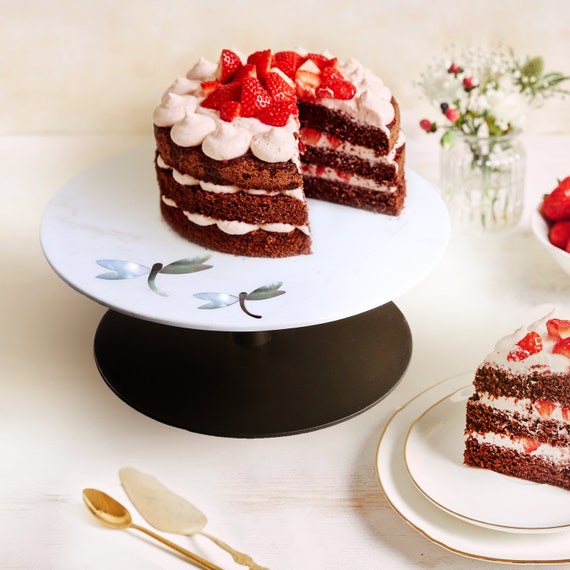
[331, 72]
[229, 63]
[310, 136]
[336, 89]
[529, 344]
[254, 97]
[556, 205]
[544, 408]
[333, 63]
[210, 86]
[307, 83]
[532, 342]
[320, 60]
[287, 61]
[279, 87]
[246, 70]
[277, 113]
[262, 61]
[565, 413]
[227, 92]
[230, 110]
[562, 347]
[344, 176]
[334, 142]
[559, 233]
[558, 328]
[529, 444]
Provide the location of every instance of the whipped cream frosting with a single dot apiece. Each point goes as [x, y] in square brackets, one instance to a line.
[371, 104]
[557, 363]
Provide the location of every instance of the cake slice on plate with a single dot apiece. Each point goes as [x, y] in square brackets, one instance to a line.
[518, 418]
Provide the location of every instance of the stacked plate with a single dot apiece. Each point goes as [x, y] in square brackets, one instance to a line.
[474, 512]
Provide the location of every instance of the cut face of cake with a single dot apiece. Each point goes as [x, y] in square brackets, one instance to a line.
[518, 418]
[241, 142]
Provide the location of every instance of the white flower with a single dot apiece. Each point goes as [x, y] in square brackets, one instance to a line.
[440, 86]
[507, 108]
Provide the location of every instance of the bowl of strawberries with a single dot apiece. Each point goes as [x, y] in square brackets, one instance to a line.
[551, 223]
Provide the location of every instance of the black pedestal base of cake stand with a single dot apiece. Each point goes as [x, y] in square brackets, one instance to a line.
[254, 384]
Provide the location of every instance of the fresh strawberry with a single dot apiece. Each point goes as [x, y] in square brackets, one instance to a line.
[331, 72]
[229, 63]
[336, 89]
[287, 61]
[558, 328]
[254, 97]
[279, 86]
[319, 60]
[565, 413]
[246, 70]
[334, 142]
[344, 176]
[529, 344]
[227, 92]
[262, 61]
[210, 86]
[310, 136]
[307, 83]
[559, 233]
[230, 110]
[562, 347]
[529, 444]
[556, 205]
[544, 408]
[277, 113]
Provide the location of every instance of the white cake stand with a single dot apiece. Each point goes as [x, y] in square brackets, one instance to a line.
[238, 346]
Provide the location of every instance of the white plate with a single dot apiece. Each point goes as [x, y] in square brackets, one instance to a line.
[434, 458]
[436, 524]
[360, 260]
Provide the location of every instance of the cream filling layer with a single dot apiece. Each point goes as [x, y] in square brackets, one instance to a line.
[330, 174]
[525, 406]
[233, 227]
[188, 180]
[554, 454]
[361, 152]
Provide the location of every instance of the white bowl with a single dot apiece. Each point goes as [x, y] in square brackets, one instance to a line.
[540, 230]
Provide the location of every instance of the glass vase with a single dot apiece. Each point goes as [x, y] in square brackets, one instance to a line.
[482, 181]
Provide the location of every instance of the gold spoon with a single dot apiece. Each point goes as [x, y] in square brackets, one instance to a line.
[168, 512]
[112, 513]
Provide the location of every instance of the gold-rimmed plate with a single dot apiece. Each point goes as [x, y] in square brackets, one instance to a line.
[436, 524]
[434, 460]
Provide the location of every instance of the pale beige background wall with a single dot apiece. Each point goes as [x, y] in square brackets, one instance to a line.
[79, 66]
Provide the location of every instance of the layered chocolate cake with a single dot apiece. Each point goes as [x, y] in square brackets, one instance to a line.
[241, 142]
[518, 418]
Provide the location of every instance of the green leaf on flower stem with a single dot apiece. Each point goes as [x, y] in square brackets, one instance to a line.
[447, 139]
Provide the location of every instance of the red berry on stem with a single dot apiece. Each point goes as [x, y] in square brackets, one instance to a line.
[452, 114]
